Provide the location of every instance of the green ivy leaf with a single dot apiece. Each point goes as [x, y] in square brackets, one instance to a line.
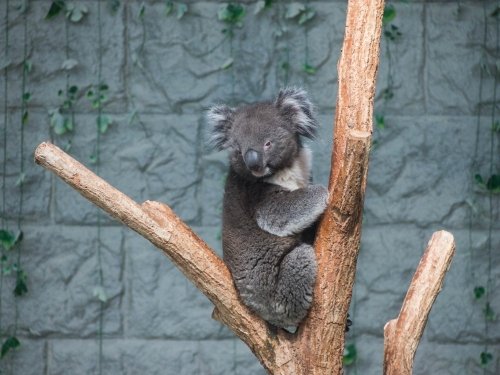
[142, 10]
[309, 69]
[133, 117]
[496, 12]
[181, 10]
[232, 14]
[69, 64]
[285, 66]
[387, 93]
[228, 63]
[21, 287]
[489, 314]
[485, 358]
[495, 127]
[26, 97]
[7, 238]
[28, 66]
[493, 183]
[294, 9]
[389, 14]
[20, 180]
[103, 123]
[392, 32]
[261, 5]
[68, 145]
[169, 7]
[113, 5]
[479, 291]
[350, 355]
[57, 122]
[55, 9]
[73, 90]
[479, 180]
[100, 293]
[307, 15]
[380, 121]
[76, 12]
[25, 117]
[96, 103]
[9, 344]
[68, 124]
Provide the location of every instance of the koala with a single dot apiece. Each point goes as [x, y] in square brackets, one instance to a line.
[270, 206]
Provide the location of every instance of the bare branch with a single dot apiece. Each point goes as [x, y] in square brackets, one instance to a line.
[402, 335]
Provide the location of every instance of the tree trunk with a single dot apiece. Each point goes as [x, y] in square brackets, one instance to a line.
[317, 347]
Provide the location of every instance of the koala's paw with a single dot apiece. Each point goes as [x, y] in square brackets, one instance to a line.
[319, 198]
[292, 212]
[348, 323]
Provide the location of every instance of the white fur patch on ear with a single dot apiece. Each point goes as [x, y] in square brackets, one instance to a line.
[295, 105]
[220, 120]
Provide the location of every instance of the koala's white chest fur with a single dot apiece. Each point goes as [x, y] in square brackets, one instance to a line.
[298, 175]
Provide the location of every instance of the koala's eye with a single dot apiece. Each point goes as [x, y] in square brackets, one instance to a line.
[267, 145]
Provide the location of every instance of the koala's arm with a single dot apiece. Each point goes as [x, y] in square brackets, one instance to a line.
[284, 213]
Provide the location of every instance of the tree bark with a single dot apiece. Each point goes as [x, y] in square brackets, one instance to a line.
[402, 335]
[338, 239]
[317, 347]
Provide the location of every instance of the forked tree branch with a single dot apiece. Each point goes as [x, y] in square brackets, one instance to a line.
[402, 335]
[317, 348]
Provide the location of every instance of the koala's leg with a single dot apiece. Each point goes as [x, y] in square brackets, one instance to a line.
[294, 288]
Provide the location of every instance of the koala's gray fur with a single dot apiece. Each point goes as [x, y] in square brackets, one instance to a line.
[269, 204]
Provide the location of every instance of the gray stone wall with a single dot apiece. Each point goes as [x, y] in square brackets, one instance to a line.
[162, 74]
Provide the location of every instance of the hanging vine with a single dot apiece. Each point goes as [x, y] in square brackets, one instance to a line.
[391, 34]
[12, 241]
[491, 186]
[98, 97]
[6, 237]
[62, 118]
[232, 15]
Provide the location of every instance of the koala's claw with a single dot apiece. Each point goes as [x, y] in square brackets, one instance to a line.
[348, 323]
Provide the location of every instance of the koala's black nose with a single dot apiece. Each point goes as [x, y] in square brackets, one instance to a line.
[253, 160]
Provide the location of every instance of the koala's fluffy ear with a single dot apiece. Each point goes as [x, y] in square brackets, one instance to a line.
[294, 104]
[220, 120]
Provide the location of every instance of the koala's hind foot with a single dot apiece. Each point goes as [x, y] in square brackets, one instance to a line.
[294, 288]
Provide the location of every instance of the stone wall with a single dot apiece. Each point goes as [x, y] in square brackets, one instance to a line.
[162, 74]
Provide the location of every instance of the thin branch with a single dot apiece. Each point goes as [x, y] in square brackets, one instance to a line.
[402, 335]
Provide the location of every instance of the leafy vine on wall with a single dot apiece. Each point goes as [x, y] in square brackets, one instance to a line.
[488, 186]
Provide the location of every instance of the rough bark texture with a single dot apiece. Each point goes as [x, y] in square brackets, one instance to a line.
[338, 240]
[317, 347]
[402, 335]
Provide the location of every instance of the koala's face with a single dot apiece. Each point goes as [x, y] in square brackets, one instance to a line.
[261, 140]
[264, 137]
